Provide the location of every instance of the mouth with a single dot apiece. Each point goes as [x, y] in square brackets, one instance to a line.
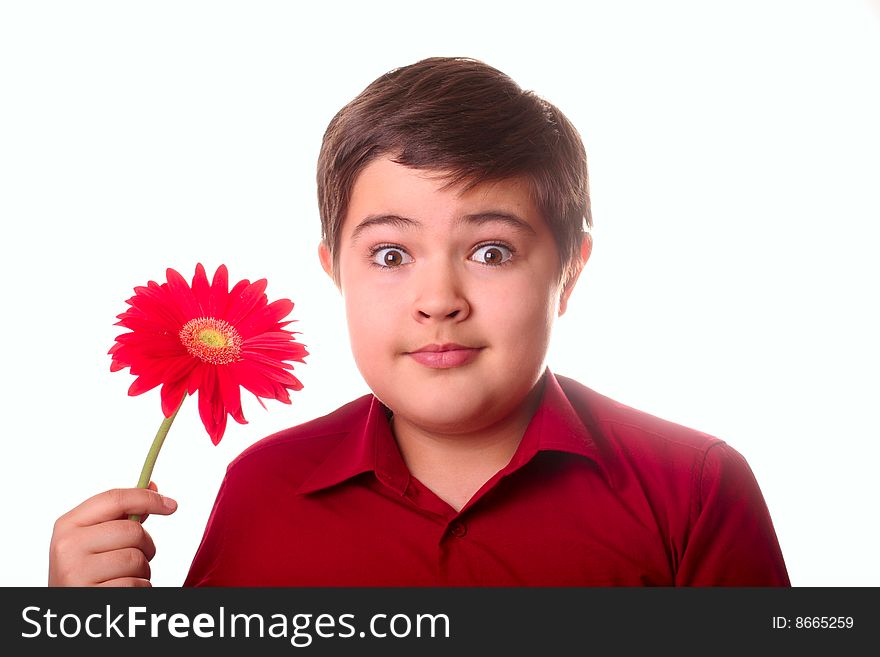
[444, 356]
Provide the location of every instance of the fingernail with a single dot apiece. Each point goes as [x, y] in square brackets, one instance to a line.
[169, 503]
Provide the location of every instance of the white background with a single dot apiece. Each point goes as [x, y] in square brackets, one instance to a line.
[733, 151]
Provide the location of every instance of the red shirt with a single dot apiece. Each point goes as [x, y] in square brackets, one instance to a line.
[596, 494]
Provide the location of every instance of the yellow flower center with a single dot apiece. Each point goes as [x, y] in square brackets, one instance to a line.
[214, 341]
[212, 338]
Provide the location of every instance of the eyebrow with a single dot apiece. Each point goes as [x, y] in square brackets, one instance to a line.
[476, 219]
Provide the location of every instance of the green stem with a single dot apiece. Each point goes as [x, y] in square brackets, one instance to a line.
[153, 454]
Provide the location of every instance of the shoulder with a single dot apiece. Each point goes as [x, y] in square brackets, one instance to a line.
[293, 453]
[636, 447]
[626, 425]
[683, 474]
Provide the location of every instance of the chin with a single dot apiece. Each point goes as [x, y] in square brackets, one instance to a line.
[448, 414]
[448, 424]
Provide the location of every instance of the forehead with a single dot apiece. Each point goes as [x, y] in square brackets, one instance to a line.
[384, 187]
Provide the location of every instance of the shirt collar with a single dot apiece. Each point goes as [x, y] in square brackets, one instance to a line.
[370, 446]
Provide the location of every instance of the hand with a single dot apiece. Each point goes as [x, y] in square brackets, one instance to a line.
[95, 544]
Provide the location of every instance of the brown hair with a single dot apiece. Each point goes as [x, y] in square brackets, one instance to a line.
[461, 116]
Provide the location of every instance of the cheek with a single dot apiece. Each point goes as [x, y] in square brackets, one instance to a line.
[369, 313]
[522, 315]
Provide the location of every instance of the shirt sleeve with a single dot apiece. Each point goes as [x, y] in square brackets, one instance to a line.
[731, 540]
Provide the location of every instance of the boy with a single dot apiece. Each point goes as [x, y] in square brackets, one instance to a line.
[453, 207]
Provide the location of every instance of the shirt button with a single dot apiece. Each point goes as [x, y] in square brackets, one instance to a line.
[457, 528]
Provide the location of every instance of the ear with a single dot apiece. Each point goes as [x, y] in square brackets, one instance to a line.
[586, 250]
[326, 260]
[327, 264]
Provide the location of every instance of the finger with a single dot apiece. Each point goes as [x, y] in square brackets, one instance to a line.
[130, 582]
[115, 535]
[128, 562]
[117, 504]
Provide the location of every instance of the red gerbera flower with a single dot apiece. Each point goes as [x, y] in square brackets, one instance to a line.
[208, 338]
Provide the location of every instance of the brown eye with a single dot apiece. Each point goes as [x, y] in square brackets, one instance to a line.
[390, 257]
[492, 254]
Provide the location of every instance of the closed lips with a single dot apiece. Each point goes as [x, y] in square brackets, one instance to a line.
[445, 356]
[441, 347]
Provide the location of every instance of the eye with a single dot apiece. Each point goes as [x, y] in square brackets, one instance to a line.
[389, 257]
[492, 254]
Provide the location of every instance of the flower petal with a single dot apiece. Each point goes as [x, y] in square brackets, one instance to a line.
[233, 296]
[219, 293]
[249, 299]
[154, 301]
[142, 384]
[183, 295]
[201, 290]
[265, 381]
[211, 405]
[265, 318]
[172, 395]
[231, 394]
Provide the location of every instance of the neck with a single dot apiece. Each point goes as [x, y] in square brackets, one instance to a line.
[456, 465]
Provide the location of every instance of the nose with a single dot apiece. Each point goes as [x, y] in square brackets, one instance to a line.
[439, 296]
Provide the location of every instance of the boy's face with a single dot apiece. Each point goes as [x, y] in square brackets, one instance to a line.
[420, 266]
